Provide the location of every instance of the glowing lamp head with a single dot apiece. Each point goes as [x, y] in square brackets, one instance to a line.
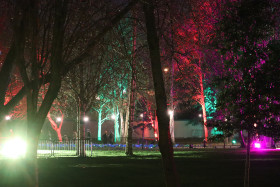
[233, 141]
[141, 115]
[170, 112]
[200, 115]
[7, 117]
[165, 70]
[86, 119]
[58, 119]
[113, 116]
[14, 148]
[257, 145]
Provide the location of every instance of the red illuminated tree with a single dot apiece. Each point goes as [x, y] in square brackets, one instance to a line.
[191, 42]
[57, 126]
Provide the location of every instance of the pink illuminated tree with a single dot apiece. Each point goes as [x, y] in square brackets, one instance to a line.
[192, 41]
[247, 97]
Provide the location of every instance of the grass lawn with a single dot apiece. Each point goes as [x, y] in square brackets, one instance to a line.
[196, 167]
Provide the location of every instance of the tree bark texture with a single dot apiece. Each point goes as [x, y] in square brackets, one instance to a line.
[247, 163]
[165, 143]
[132, 98]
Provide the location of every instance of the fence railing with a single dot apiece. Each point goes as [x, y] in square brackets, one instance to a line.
[48, 148]
[89, 147]
[86, 147]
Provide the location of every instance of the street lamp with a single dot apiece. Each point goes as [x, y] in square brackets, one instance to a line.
[165, 70]
[113, 116]
[85, 119]
[170, 112]
[200, 115]
[58, 119]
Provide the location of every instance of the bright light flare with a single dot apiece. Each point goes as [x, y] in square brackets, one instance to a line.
[58, 119]
[113, 116]
[257, 145]
[14, 148]
[170, 112]
[86, 119]
[7, 117]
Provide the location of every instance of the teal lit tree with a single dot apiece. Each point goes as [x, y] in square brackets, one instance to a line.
[210, 102]
[113, 96]
[102, 110]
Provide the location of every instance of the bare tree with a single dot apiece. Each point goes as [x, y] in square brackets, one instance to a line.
[165, 143]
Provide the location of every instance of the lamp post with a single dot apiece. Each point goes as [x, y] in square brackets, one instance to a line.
[143, 128]
[83, 121]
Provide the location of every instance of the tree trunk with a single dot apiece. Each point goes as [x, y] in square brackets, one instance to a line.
[171, 121]
[202, 102]
[128, 149]
[99, 134]
[117, 126]
[204, 120]
[122, 125]
[58, 132]
[241, 139]
[126, 123]
[34, 127]
[165, 143]
[247, 163]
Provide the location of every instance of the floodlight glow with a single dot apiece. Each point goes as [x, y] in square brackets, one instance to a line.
[234, 141]
[170, 112]
[14, 148]
[165, 69]
[58, 119]
[86, 119]
[257, 145]
[200, 115]
[113, 116]
[7, 117]
[141, 115]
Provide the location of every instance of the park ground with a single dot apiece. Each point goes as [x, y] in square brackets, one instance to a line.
[196, 167]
